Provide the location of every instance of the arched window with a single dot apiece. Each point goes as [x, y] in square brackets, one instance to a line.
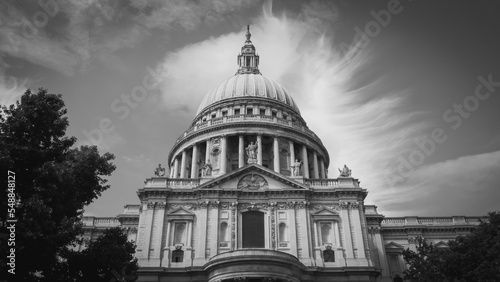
[283, 232]
[326, 233]
[223, 232]
[177, 256]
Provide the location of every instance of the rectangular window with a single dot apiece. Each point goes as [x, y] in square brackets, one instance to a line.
[248, 62]
[262, 112]
[180, 232]
[326, 232]
[249, 111]
[236, 112]
[253, 229]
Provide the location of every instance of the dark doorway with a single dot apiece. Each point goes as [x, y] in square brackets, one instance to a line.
[253, 229]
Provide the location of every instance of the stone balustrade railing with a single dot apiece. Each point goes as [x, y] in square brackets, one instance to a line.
[430, 221]
[322, 182]
[171, 182]
[246, 118]
[89, 221]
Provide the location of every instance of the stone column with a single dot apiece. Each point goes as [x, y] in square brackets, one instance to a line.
[292, 156]
[259, 149]
[322, 168]
[315, 165]
[276, 152]
[241, 151]
[176, 167]
[305, 162]
[223, 154]
[207, 152]
[194, 162]
[183, 164]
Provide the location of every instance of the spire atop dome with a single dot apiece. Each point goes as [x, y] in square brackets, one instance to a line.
[248, 60]
[248, 35]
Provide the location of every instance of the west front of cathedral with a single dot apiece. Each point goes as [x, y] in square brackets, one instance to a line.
[247, 197]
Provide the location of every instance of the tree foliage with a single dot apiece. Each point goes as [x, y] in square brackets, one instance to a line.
[474, 257]
[53, 181]
[108, 258]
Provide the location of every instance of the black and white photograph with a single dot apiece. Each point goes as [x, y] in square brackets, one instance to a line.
[249, 140]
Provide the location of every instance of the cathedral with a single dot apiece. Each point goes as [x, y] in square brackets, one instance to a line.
[248, 196]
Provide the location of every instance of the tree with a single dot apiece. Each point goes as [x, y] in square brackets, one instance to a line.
[425, 264]
[474, 257]
[53, 182]
[108, 258]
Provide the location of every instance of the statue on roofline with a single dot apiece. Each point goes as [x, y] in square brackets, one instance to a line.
[345, 172]
[160, 171]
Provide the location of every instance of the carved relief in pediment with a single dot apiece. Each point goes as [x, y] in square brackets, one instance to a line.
[253, 182]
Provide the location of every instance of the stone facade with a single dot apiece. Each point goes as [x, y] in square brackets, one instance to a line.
[247, 198]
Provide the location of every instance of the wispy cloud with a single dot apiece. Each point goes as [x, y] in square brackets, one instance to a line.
[67, 36]
[462, 186]
[11, 88]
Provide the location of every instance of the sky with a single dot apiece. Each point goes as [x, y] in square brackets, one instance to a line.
[405, 93]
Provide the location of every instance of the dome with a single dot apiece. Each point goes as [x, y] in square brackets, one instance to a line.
[248, 85]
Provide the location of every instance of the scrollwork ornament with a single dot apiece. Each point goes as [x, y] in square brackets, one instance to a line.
[151, 205]
[161, 205]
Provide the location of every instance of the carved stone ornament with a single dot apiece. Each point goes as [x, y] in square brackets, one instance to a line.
[302, 204]
[349, 205]
[183, 206]
[254, 206]
[253, 182]
[151, 205]
[202, 204]
[374, 230]
[215, 142]
[161, 205]
[330, 207]
[214, 204]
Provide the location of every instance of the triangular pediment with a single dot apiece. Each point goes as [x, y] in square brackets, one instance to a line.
[253, 177]
[180, 211]
[393, 246]
[325, 212]
[441, 244]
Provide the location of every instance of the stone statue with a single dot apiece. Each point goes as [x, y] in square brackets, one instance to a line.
[207, 169]
[296, 168]
[345, 172]
[160, 171]
[252, 152]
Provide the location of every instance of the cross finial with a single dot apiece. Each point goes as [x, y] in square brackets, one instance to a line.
[248, 35]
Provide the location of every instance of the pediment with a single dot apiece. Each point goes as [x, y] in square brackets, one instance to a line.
[441, 244]
[179, 212]
[325, 212]
[253, 177]
[394, 246]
